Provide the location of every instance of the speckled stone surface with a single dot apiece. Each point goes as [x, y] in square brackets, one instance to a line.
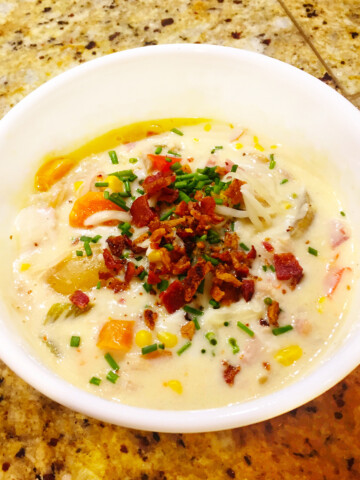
[334, 28]
[42, 440]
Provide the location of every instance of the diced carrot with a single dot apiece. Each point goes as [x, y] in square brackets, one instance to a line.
[116, 335]
[161, 162]
[52, 171]
[333, 279]
[87, 205]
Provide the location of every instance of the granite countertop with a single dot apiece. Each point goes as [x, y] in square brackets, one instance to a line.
[42, 440]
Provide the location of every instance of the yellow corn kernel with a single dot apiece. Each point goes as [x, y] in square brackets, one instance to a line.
[288, 355]
[286, 205]
[238, 146]
[273, 146]
[207, 127]
[257, 144]
[77, 185]
[168, 339]
[320, 306]
[155, 256]
[24, 267]
[196, 139]
[115, 184]
[143, 338]
[174, 385]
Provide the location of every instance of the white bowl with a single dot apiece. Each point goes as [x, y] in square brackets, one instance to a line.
[179, 81]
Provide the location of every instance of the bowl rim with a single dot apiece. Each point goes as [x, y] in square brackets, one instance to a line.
[259, 409]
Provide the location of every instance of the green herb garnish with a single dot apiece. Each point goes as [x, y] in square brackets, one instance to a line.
[312, 251]
[183, 348]
[149, 349]
[245, 329]
[95, 381]
[74, 341]
[111, 361]
[235, 347]
[272, 162]
[281, 330]
[192, 310]
[113, 157]
[177, 131]
[112, 376]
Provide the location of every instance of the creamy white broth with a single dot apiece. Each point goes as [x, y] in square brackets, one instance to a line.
[43, 238]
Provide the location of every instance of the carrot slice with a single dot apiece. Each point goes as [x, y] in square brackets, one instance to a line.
[52, 171]
[116, 335]
[161, 162]
[87, 205]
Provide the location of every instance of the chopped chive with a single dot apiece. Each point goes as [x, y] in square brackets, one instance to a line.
[87, 239]
[113, 157]
[181, 184]
[168, 159]
[169, 247]
[232, 226]
[116, 198]
[235, 347]
[124, 175]
[149, 349]
[268, 301]
[74, 341]
[213, 237]
[125, 255]
[217, 147]
[133, 160]
[175, 166]
[196, 323]
[245, 329]
[192, 310]
[219, 201]
[87, 249]
[234, 168]
[147, 287]
[142, 275]
[272, 268]
[96, 238]
[214, 304]
[95, 381]
[177, 131]
[101, 184]
[217, 189]
[127, 187]
[98, 285]
[158, 150]
[140, 190]
[138, 258]
[272, 162]
[187, 176]
[112, 377]
[183, 196]
[174, 154]
[203, 238]
[342, 213]
[106, 194]
[200, 288]
[264, 267]
[203, 350]
[226, 324]
[312, 251]
[125, 228]
[211, 337]
[163, 285]
[183, 348]
[244, 247]
[168, 214]
[213, 261]
[111, 361]
[281, 330]
[161, 346]
[79, 253]
[285, 180]
[181, 277]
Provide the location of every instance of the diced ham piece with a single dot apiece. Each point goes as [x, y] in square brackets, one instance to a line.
[288, 268]
[79, 299]
[141, 212]
[338, 234]
[268, 247]
[332, 279]
[230, 372]
[228, 165]
[174, 296]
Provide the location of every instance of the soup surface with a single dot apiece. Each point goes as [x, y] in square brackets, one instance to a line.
[181, 264]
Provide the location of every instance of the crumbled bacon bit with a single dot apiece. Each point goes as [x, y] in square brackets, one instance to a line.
[208, 205]
[273, 312]
[118, 244]
[252, 254]
[132, 271]
[150, 318]
[188, 330]
[227, 278]
[248, 289]
[141, 212]
[174, 296]
[153, 278]
[233, 193]
[288, 268]
[231, 241]
[194, 277]
[182, 209]
[230, 372]
[216, 293]
[168, 195]
[79, 299]
[112, 263]
[155, 183]
[232, 294]
[268, 247]
[116, 285]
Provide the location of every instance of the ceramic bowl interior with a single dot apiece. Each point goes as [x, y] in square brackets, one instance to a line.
[180, 81]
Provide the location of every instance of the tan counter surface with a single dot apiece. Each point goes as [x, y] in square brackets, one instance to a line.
[40, 439]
